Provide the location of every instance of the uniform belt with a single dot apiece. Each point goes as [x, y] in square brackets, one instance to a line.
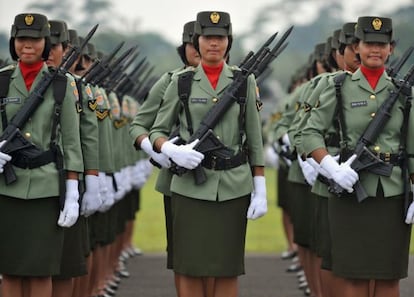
[218, 163]
[23, 161]
[393, 159]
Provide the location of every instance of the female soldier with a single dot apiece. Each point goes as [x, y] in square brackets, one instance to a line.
[145, 119]
[29, 207]
[209, 219]
[369, 240]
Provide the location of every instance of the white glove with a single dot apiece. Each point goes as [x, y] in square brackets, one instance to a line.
[127, 182]
[409, 219]
[271, 157]
[70, 213]
[309, 169]
[106, 189]
[183, 155]
[139, 177]
[4, 158]
[91, 200]
[160, 158]
[323, 171]
[342, 174]
[258, 201]
[285, 147]
[120, 189]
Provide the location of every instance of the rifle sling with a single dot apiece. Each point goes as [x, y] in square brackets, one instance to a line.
[184, 91]
[54, 153]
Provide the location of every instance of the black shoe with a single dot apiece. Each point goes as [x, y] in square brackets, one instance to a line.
[112, 284]
[307, 292]
[123, 274]
[294, 268]
[286, 255]
[109, 291]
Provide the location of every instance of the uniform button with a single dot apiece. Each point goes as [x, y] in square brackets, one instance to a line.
[218, 137]
[377, 148]
[215, 100]
[372, 97]
[27, 135]
[372, 114]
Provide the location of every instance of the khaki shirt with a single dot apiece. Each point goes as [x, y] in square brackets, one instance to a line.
[44, 181]
[360, 103]
[221, 185]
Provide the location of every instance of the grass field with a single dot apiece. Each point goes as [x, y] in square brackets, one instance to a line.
[264, 235]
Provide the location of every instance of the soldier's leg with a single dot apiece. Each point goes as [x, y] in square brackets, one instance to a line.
[12, 286]
[38, 286]
[191, 287]
[226, 287]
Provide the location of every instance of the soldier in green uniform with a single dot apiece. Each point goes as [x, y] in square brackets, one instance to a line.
[29, 207]
[369, 253]
[218, 208]
[73, 254]
[144, 120]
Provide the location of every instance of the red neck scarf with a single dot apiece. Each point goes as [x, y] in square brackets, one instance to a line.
[372, 75]
[29, 72]
[213, 73]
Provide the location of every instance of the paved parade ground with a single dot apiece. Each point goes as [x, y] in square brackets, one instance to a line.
[265, 277]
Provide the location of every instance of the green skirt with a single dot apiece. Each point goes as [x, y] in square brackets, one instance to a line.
[30, 239]
[168, 231]
[370, 240]
[302, 209]
[283, 191]
[73, 254]
[209, 236]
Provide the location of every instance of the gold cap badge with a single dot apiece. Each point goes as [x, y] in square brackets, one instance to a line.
[377, 24]
[29, 19]
[214, 17]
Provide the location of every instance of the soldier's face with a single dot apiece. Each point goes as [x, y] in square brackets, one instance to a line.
[55, 55]
[373, 54]
[192, 55]
[28, 49]
[351, 61]
[213, 49]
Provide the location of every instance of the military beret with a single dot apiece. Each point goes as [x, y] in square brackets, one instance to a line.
[73, 37]
[347, 35]
[58, 32]
[374, 29]
[91, 51]
[30, 25]
[335, 39]
[328, 46]
[213, 23]
[319, 51]
[188, 32]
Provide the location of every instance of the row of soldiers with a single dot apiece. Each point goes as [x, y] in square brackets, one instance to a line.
[98, 205]
[339, 235]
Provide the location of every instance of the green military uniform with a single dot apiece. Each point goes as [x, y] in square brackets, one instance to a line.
[216, 248]
[30, 205]
[218, 186]
[360, 104]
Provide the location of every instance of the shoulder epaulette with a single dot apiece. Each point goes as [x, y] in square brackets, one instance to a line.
[8, 67]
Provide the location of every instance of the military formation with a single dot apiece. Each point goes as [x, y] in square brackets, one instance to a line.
[341, 143]
[82, 130]
[71, 177]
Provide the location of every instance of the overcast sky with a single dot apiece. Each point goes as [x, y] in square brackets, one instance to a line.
[168, 16]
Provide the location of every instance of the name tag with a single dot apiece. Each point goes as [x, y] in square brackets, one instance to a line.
[15, 100]
[359, 104]
[199, 100]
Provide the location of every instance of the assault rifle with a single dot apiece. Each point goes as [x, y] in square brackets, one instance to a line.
[366, 159]
[208, 142]
[14, 140]
[99, 66]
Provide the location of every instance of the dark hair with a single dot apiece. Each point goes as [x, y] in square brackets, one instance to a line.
[181, 53]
